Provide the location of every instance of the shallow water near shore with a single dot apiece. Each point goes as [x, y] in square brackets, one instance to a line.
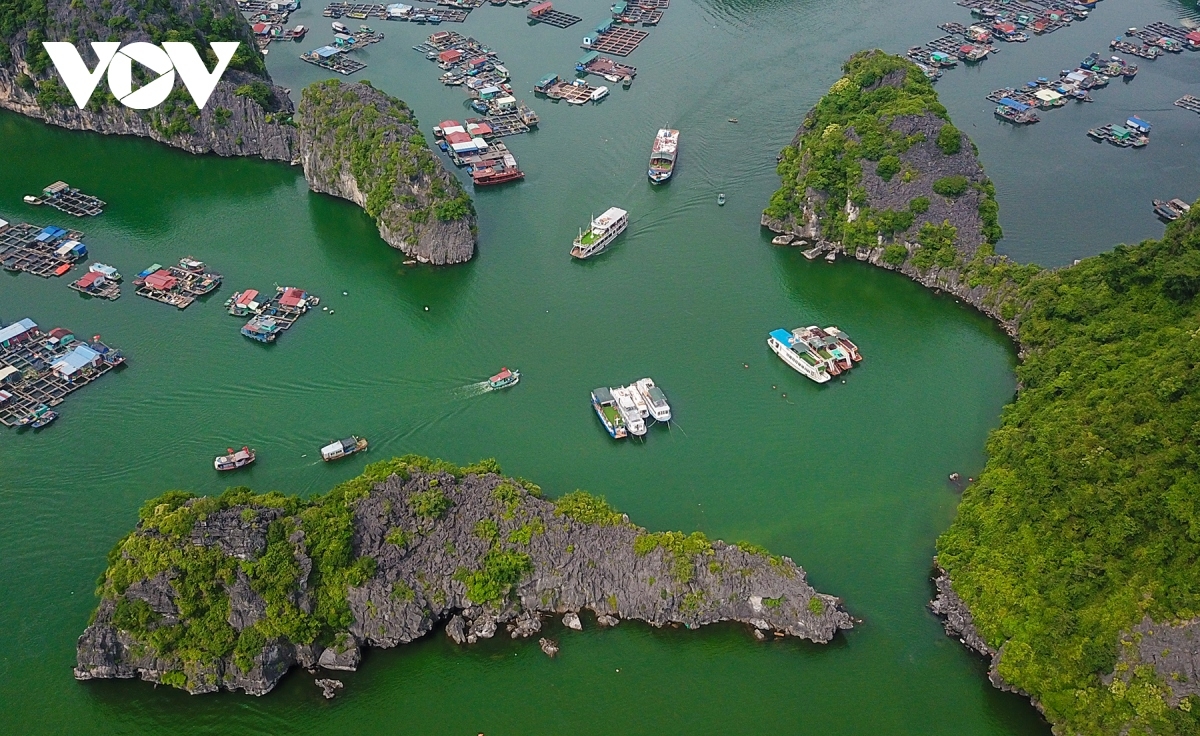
[848, 479]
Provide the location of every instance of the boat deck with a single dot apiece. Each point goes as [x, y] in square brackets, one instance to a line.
[619, 41]
[20, 250]
[503, 125]
[1133, 49]
[72, 202]
[555, 18]
[39, 384]
[1188, 102]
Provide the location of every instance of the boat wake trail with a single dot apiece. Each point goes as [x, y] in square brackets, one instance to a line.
[472, 390]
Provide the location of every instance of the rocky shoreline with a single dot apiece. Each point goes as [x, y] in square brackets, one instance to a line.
[429, 545]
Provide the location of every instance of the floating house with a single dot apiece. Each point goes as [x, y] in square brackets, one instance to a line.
[78, 359]
[450, 56]
[18, 332]
[546, 83]
[60, 336]
[161, 281]
[71, 249]
[9, 375]
[1138, 124]
[540, 9]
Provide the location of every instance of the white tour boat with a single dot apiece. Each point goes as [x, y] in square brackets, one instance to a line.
[629, 410]
[795, 353]
[603, 230]
[655, 399]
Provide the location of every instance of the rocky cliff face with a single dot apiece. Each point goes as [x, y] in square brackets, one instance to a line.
[876, 171]
[365, 146]
[427, 546]
[246, 115]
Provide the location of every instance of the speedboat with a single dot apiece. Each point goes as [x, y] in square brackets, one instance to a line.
[234, 460]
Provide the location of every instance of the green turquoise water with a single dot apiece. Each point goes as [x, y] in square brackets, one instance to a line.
[848, 479]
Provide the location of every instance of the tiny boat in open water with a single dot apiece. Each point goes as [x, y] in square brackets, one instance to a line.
[341, 448]
[504, 379]
[721, 199]
[234, 460]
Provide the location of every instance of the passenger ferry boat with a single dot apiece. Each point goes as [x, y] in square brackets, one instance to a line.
[798, 357]
[341, 448]
[603, 230]
[504, 379]
[234, 460]
[662, 155]
[606, 408]
[629, 410]
[656, 400]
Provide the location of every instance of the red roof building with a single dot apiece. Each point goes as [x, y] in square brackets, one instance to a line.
[90, 279]
[260, 29]
[292, 297]
[452, 138]
[161, 281]
[450, 56]
[1193, 39]
[1005, 28]
[540, 9]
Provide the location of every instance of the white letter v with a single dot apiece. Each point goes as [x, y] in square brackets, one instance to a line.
[191, 69]
[74, 72]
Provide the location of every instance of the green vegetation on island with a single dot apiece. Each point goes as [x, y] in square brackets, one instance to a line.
[1087, 516]
[883, 116]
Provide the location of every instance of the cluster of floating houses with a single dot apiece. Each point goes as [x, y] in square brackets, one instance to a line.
[1018, 105]
[334, 56]
[271, 316]
[815, 352]
[38, 369]
[269, 21]
[1135, 133]
[623, 410]
[42, 251]
[177, 285]
[469, 64]
[1009, 21]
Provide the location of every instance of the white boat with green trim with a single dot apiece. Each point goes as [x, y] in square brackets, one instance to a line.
[795, 353]
[602, 231]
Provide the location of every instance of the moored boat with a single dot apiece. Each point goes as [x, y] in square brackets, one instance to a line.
[262, 328]
[504, 379]
[798, 357]
[339, 449]
[602, 231]
[844, 340]
[109, 272]
[606, 408]
[629, 410]
[40, 417]
[1165, 210]
[232, 460]
[656, 400]
[662, 155]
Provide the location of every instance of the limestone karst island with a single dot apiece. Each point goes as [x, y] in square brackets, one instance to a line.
[485, 367]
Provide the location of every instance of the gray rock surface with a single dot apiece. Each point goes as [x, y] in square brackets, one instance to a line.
[405, 191]
[250, 129]
[1172, 649]
[571, 621]
[572, 566]
[549, 646]
[329, 687]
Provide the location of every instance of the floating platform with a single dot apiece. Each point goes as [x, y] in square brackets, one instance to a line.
[38, 370]
[358, 11]
[98, 285]
[602, 66]
[1188, 102]
[619, 41]
[1133, 49]
[551, 17]
[46, 252]
[335, 62]
[63, 198]
[179, 285]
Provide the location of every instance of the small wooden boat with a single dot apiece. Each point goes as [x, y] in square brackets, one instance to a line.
[234, 460]
[30, 199]
[733, 120]
[504, 379]
[43, 417]
[339, 449]
[721, 199]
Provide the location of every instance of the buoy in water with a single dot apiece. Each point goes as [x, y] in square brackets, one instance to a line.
[345, 293]
[426, 309]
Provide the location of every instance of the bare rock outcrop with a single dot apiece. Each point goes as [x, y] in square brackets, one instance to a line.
[246, 115]
[360, 144]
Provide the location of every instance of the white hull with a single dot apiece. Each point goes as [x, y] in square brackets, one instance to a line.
[629, 411]
[790, 357]
[659, 409]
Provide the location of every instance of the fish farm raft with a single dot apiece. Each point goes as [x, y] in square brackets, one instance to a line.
[178, 285]
[45, 252]
[38, 370]
[271, 317]
[63, 198]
